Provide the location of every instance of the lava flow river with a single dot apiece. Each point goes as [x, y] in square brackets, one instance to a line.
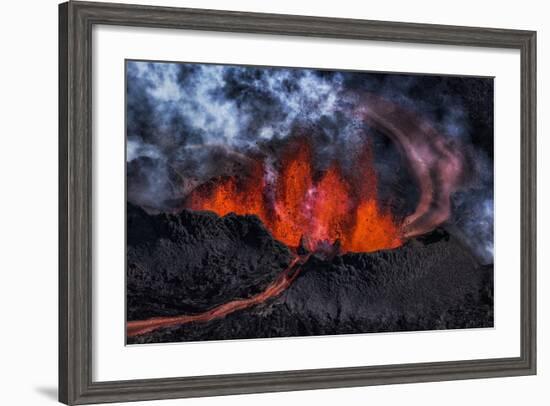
[285, 279]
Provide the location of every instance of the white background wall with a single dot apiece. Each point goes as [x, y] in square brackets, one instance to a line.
[28, 202]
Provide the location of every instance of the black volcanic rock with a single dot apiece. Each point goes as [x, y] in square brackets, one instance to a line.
[192, 261]
[422, 279]
[431, 282]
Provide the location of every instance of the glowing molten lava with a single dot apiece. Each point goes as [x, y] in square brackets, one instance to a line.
[300, 206]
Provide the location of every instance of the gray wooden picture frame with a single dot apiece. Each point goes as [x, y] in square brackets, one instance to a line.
[76, 20]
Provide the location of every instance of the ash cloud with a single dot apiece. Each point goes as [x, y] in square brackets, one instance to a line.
[187, 123]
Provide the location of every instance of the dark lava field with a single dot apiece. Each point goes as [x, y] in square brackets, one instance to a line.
[191, 262]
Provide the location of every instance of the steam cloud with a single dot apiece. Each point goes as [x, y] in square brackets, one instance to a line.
[187, 123]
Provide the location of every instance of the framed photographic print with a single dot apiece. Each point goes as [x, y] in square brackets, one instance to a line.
[256, 202]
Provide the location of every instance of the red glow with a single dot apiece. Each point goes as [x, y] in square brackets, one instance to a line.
[323, 208]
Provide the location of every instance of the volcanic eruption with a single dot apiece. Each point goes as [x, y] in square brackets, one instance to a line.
[329, 224]
[299, 206]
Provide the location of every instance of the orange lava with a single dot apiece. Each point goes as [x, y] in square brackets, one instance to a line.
[229, 195]
[331, 208]
[319, 207]
[293, 183]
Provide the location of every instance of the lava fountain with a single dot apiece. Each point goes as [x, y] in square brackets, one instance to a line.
[300, 206]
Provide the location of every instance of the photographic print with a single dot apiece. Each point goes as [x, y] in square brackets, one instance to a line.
[268, 202]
